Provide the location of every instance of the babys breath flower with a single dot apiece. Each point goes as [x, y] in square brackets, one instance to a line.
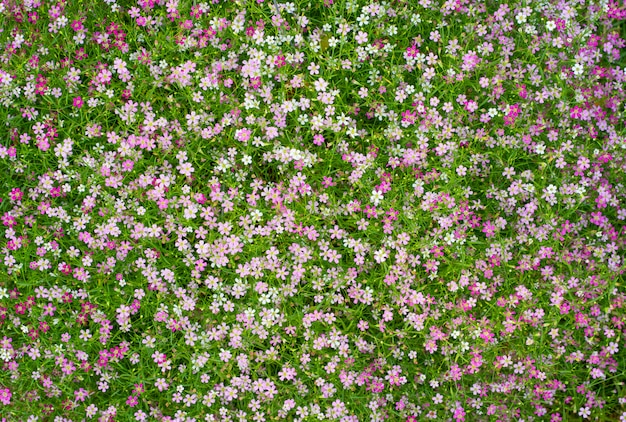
[584, 412]
[540, 148]
[5, 355]
[578, 69]
[5, 396]
[185, 169]
[376, 197]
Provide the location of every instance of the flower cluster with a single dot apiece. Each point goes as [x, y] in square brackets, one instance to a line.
[300, 211]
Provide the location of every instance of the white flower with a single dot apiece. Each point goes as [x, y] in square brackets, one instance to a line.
[578, 69]
[5, 355]
[376, 197]
[363, 20]
[584, 412]
[540, 148]
[381, 255]
[256, 215]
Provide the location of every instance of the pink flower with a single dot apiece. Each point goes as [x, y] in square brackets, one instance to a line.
[489, 229]
[576, 112]
[16, 194]
[161, 384]
[5, 396]
[243, 135]
[471, 106]
[81, 394]
[132, 401]
[77, 25]
[279, 61]
[78, 102]
[412, 51]
[470, 61]
[522, 91]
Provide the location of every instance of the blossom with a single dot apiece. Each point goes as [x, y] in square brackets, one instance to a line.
[132, 401]
[251, 207]
[161, 384]
[489, 229]
[5, 396]
[584, 412]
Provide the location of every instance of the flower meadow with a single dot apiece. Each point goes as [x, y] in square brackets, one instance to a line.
[313, 210]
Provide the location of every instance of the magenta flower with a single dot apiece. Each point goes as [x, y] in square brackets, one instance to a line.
[16, 194]
[77, 25]
[489, 229]
[132, 401]
[5, 396]
[78, 102]
[318, 139]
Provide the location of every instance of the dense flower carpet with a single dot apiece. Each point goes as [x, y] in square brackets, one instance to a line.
[317, 210]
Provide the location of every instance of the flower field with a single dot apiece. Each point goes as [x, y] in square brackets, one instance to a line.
[324, 210]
